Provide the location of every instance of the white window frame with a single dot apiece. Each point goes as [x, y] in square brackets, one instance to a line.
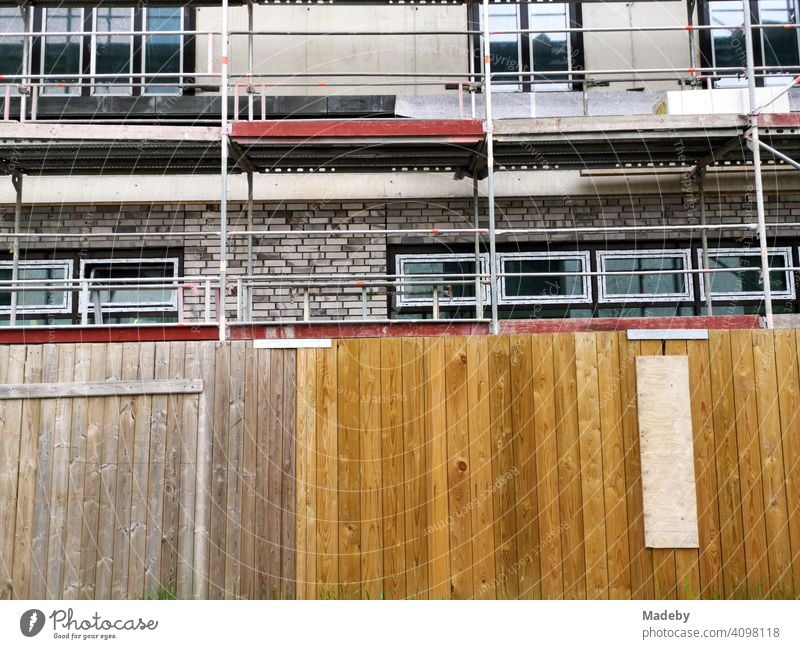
[645, 298]
[402, 259]
[785, 251]
[585, 297]
[87, 307]
[179, 75]
[65, 306]
[73, 91]
[110, 89]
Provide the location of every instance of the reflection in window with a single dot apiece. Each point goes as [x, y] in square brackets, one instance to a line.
[37, 299]
[548, 286]
[747, 282]
[11, 47]
[452, 276]
[728, 42]
[779, 44]
[113, 52]
[549, 49]
[162, 52]
[62, 54]
[505, 47]
[651, 278]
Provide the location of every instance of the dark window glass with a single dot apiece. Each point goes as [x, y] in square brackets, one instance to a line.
[779, 43]
[31, 300]
[132, 296]
[505, 47]
[162, 53]
[11, 47]
[549, 49]
[728, 43]
[644, 284]
[745, 281]
[62, 54]
[646, 312]
[112, 52]
[447, 289]
[543, 287]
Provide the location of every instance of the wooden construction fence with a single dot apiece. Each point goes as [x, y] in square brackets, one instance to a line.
[464, 467]
[129, 496]
[509, 467]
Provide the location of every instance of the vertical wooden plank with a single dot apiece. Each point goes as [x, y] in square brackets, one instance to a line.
[235, 440]
[369, 361]
[458, 468]
[303, 462]
[415, 466]
[641, 566]
[523, 443]
[705, 467]
[480, 459]
[613, 449]
[727, 454]
[750, 478]
[141, 455]
[308, 510]
[107, 522]
[204, 472]
[687, 560]
[569, 467]
[350, 515]
[76, 475]
[95, 433]
[249, 459]
[172, 488]
[42, 507]
[288, 478]
[390, 384]
[264, 580]
[60, 484]
[26, 482]
[156, 492]
[773, 475]
[436, 452]
[503, 468]
[326, 427]
[12, 370]
[219, 477]
[550, 526]
[786, 356]
[187, 421]
[665, 582]
[275, 453]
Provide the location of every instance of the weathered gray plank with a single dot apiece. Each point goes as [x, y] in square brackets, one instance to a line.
[99, 389]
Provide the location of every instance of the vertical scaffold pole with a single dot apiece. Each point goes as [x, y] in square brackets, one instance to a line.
[223, 206]
[16, 180]
[476, 209]
[250, 92]
[758, 181]
[701, 191]
[487, 98]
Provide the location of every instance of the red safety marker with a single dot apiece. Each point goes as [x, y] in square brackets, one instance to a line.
[435, 231]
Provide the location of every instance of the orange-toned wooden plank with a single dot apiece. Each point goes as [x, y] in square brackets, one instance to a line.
[569, 467]
[327, 473]
[523, 443]
[288, 477]
[773, 476]
[436, 451]
[391, 391]
[303, 464]
[705, 468]
[613, 448]
[458, 469]
[481, 480]
[350, 514]
[416, 467]
[307, 508]
[750, 478]
[641, 559]
[276, 400]
[550, 528]
[727, 460]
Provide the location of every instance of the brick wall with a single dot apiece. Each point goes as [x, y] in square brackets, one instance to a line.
[315, 254]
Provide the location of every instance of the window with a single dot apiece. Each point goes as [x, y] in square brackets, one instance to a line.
[38, 300]
[121, 55]
[451, 275]
[548, 288]
[651, 282]
[129, 291]
[545, 51]
[724, 45]
[746, 282]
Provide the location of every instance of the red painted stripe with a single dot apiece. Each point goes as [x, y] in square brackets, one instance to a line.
[447, 128]
[778, 120]
[34, 336]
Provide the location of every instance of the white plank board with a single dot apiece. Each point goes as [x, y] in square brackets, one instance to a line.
[293, 343]
[668, 334]
[667, 452]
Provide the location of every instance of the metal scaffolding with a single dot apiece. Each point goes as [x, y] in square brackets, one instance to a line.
[467, 146]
